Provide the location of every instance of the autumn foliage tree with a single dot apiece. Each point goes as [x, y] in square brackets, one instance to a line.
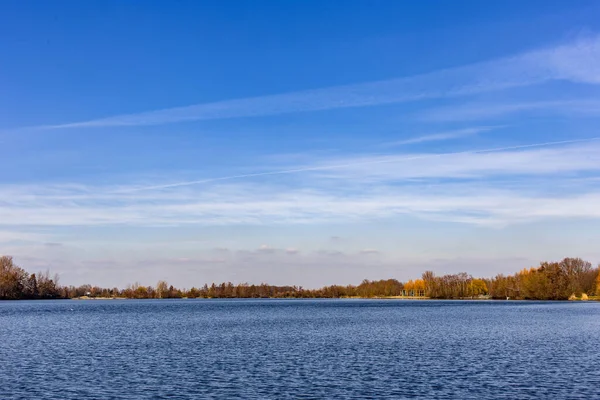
[548, 281]
[13, 279]
[16, 283]
[453, 286]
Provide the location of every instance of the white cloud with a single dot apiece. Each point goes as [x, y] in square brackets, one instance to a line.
[477, 111]
[266, 249]
[454, 134]
[515, 161]
[12, 236]
[369, 251]
[484, 189]
[575, 62]
[365, 162]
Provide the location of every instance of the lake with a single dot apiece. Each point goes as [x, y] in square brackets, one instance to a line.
[279, 349]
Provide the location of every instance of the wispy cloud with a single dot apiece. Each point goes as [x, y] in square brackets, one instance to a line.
[478, 197]
[476, 111]
[575, 62]
[521, 160]
[434, 137]
[17, 236]
[353, 163]
[369, 251]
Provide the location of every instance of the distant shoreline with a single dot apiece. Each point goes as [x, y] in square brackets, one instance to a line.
[591, 298]
[407, 298]
[569, 279]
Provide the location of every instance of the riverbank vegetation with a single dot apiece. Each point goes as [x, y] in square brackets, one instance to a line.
[571, 278]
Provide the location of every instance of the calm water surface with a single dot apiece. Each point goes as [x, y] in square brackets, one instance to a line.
[278, 349]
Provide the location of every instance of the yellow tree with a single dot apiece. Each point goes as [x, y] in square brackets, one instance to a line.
[419, 287]
[477, 287]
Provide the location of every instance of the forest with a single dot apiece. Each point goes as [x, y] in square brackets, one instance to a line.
[569, 278]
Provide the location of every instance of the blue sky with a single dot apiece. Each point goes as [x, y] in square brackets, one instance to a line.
[304, 142]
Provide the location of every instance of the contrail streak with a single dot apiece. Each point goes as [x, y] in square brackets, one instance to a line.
[382, 160]
[573, 62]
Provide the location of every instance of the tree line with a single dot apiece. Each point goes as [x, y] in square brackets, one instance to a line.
[549, 281]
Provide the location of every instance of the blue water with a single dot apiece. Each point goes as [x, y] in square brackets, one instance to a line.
[278, 349]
